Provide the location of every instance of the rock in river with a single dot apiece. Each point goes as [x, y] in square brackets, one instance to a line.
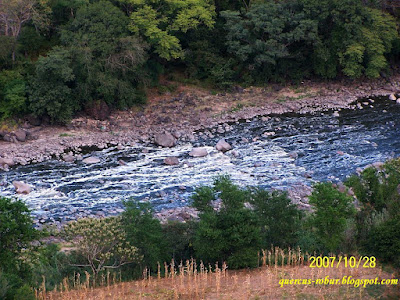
[172, 161]
[223, 146]
[91, 160]
[21, 187]
[198, 152]
[6, 161]
[165, 139]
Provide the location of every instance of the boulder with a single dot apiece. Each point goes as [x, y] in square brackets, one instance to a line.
[398, 101]
[68, 158]
[21, 187]
[198, 152]
[392, 97]
[6, 161]
[172, 161]
[20, 135]
[223, 146]
[165, 139]
[91, 160]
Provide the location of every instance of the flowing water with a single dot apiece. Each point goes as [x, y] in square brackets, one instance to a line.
[274, 151]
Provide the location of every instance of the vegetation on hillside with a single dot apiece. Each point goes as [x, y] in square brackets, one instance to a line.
[58, 57]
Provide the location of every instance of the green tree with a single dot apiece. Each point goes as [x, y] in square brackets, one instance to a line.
[16, 235]
[160, 22]
[269, 36]
[52, 87]
[331, 211]
[145, 232]
[231, 234]
[107, 60]
[352, 38]
[12, 94]
[100, 243]
[279, 218]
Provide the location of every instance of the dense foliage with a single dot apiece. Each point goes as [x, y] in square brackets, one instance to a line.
[110, 51]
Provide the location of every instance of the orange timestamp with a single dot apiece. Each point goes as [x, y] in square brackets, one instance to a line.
[346, 261]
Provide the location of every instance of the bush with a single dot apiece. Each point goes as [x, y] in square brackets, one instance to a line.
[331, 211]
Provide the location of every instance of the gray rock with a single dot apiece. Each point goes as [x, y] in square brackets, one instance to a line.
[68, 158]
[165, 139]
[234, 153]
[398, 101]
[20, 135]
[223, 146]
[91, 160]
[122, 163]
[198, 152]
[392, 97]
[6, 161]
[21, 187]
[171, 161]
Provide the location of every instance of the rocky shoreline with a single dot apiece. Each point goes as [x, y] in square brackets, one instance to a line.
[187, 117]
[180, 117]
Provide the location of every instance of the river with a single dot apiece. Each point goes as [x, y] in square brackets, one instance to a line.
[270, 151]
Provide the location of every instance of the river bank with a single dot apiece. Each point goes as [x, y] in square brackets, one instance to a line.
[182, 114]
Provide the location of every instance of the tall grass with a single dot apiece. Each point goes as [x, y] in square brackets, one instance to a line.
[196, 280]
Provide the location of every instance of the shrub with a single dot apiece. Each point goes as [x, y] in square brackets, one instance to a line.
[331, 211]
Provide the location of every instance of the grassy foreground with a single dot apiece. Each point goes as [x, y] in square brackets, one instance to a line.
[198, 282]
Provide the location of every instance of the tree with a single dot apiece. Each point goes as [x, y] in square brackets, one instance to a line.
[100, 243]
[51, 88]
[107, 60]
[331, 211]
[160, 22]
[12, 94]
[145, 232]
[269, 34]
[279, 218]
[16, 236]
[16, 231]
[231, 234]
[352, 38]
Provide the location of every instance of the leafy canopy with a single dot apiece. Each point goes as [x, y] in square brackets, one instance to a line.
[160, 22]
